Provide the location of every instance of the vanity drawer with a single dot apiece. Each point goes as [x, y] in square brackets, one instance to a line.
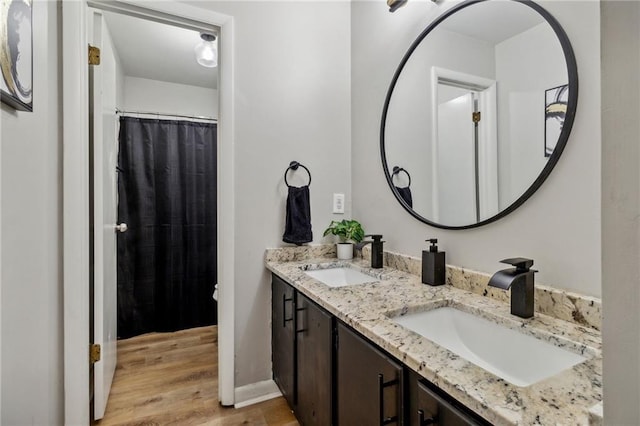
[429, 406]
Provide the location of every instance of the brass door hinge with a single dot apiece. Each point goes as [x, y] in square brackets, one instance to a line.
[94, 353]
[475, 117]
[94, 55]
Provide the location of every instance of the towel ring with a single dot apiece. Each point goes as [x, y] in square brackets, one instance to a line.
[397, 170]
[294, 166]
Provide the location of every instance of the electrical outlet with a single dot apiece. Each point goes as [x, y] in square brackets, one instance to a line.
[338, 203]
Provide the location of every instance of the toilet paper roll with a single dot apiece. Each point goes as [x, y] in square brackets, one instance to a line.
[215, 293]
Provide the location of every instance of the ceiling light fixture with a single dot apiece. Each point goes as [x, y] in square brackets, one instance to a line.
[207, 51]
[395, 4]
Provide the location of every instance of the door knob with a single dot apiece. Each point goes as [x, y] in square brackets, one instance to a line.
[122, 227]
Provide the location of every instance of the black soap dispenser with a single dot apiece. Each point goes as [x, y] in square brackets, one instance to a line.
[434, 271]
[376, 251]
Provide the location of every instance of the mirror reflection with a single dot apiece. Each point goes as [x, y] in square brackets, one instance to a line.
[476, 113]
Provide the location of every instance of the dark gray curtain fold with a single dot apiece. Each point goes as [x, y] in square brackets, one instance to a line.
[167, 196]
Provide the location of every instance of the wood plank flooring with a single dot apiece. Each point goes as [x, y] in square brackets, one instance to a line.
[171, 379]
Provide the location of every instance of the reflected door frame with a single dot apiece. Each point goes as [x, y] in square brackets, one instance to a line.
[75, 182]
[487, 138]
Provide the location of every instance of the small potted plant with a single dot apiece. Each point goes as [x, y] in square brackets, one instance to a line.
[349, 232]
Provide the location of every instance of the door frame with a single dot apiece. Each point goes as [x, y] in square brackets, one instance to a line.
[488, 177]
[76, 192]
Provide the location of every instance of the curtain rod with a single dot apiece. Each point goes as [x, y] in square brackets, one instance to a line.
[119, 111]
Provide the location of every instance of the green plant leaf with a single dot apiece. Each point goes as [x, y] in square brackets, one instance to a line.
[346, 230]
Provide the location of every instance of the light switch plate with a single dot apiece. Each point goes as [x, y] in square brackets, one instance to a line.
[338, 203]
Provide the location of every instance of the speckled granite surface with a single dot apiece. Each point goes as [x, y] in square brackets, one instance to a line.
[292, 254]
[561, 304]
[564, 399]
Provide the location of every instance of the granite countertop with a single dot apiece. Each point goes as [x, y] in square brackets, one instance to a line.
[564, 399]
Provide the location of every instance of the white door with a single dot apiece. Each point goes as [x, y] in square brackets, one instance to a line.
[105, 150]
[456, 162]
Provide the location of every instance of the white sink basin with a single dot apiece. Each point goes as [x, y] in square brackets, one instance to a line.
[515, 357]
[341, 276]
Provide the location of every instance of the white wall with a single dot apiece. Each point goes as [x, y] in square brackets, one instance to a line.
[119, 75]
[620, 207]
[523, 79]
[31, 310]
[559, 226]
[141, 94]
[292, 102]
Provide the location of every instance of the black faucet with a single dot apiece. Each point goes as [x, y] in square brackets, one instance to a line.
[376, 249]
[520, 280]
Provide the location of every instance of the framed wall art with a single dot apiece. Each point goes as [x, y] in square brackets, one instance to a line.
[555, 110]
[16, 54]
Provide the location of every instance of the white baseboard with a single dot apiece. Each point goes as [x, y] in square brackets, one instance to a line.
[256, 392]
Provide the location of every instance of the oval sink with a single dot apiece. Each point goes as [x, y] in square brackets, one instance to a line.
[340, 276]
[515, 357]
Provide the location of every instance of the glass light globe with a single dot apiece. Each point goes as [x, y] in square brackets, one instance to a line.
[207, 51]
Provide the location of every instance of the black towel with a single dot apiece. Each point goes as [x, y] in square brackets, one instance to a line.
[405, 194]
[297, 229]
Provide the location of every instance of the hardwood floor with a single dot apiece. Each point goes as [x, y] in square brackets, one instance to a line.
[171, 379]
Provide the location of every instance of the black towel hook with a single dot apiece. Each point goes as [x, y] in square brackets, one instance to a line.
[397, 170]
[294, 166]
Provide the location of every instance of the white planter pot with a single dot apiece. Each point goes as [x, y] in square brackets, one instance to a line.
[345, 251]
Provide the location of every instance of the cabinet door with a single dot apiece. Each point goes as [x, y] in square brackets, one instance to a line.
[369, 383]
[283, 338]
[314, 347]
[429, 407]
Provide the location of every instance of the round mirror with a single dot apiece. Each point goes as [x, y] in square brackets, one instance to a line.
[478, 112]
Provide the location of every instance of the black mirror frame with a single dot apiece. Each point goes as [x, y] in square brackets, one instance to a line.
[572, 104]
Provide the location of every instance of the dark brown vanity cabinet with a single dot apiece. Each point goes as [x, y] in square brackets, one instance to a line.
[369, 384]
[429, 406]
[302, 354]
[283, 338]
[314, 328]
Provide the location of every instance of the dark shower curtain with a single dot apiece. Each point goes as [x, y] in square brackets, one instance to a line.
[167, 197]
